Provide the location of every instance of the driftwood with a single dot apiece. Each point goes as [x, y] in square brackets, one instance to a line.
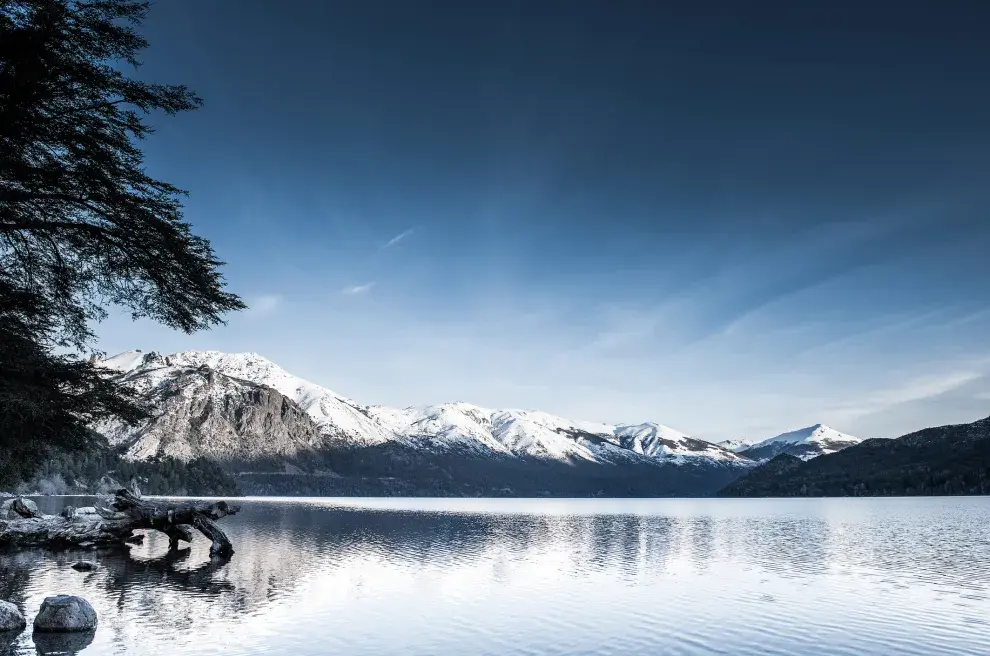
[115, 523]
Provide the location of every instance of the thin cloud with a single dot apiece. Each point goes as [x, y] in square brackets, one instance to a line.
[396, 239]
[262, 305]
[359, 289]
[914, 390]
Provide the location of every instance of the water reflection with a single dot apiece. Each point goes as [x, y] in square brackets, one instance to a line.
[743, 577]
[50, 644]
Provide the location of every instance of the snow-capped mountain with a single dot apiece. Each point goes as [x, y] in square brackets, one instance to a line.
[736, 445]
[541, 435]
[805, 443]
[336, 416]
[199, 413]
[185, 387]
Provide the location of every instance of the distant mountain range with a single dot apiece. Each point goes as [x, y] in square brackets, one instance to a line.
[934, 461]
[224, 422]
[277, 433]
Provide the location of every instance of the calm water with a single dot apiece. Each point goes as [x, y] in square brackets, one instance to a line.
[522, 577]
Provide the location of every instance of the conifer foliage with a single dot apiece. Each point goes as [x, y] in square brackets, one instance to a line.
[82, 225]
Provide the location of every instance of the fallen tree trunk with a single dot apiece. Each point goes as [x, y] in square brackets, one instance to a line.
[115, 524]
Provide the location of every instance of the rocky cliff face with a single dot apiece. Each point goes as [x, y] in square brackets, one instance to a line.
[198, 412]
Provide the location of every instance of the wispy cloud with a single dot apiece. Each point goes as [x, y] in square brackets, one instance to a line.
[917, 389]
[396, 239]
[262, 305]
[359, 289]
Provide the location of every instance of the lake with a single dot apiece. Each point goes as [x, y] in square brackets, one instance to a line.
[522, 577]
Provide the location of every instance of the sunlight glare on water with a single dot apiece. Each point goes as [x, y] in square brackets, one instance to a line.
[540, 577]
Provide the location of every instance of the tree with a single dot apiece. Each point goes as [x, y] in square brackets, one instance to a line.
[46, 402]
[82, 225]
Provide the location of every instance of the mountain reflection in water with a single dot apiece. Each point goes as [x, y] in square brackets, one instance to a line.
[352, 576]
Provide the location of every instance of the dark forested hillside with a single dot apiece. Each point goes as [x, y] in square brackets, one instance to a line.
[393, 470]
[934, 461]
[102, 470]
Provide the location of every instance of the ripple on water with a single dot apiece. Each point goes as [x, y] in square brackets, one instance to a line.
[517, 578]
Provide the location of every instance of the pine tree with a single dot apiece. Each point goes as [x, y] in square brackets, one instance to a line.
[81, 224]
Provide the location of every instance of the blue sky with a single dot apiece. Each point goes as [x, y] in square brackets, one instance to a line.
[731, 222]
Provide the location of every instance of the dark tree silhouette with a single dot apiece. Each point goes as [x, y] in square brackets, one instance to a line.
[46, 401]
[82, 226]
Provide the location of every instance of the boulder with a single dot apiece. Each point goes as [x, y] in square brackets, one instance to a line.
[17, 507]
[84, 565]
[11, 618]
[65, 613]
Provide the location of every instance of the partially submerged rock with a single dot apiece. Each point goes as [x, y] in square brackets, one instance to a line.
[11, 618]
[65, 613]
[19, 508]
[84, 565]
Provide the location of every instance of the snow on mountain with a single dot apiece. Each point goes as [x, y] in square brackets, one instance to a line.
[736, 445]
[446, 427]
[805, 443]
[196, 412]
[125, 362]
[656, 441]
[542, 435]
[337, 416]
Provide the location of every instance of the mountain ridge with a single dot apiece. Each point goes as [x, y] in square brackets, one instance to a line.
[278, 433]
[506, 432]
[804, 443]
[951, 459]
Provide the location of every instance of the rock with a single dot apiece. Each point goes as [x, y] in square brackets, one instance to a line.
[68, 512]
[84, 566]
[62, 643]
[11, 618]
[65, 613]
[17, 507]
[137, 538]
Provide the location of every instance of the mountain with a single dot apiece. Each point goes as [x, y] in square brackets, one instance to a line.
[943, 460]
[736, 445]
[539, 435]
[199, 412]
[279, 433]
[336, 416]
[805, 443]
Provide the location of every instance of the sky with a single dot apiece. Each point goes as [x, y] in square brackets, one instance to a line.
[735, 219]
